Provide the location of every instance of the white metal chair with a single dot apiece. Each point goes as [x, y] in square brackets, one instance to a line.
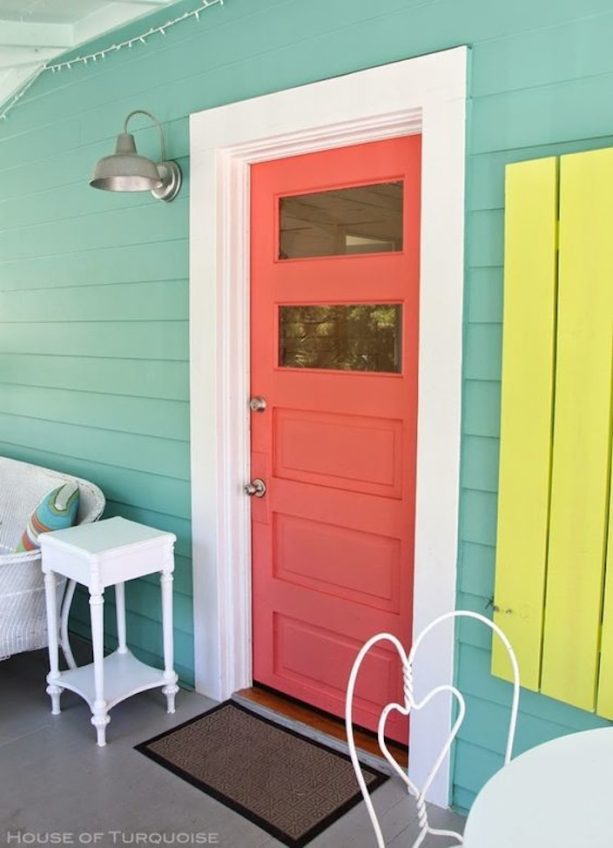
[410, 705]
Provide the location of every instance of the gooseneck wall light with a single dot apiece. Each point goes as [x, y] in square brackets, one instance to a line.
[127, 170]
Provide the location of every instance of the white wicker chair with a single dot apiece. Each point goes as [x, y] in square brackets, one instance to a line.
[409, 705]
[23, 619]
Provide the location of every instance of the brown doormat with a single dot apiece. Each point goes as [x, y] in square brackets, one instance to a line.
[291, 786]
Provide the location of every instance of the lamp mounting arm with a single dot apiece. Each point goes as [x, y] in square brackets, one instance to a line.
[156, 122]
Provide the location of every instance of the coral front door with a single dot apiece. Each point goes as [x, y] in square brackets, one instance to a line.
[334, 345]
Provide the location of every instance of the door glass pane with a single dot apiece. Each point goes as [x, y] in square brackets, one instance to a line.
[355, 337]
[365, 219]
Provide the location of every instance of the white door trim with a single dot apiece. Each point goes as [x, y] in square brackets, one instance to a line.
[427, 95]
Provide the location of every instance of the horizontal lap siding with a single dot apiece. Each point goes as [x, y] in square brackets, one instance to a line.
[93, 287]
[94, 371]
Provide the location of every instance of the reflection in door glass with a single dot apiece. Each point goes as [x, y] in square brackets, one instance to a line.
[365, 219]
[355, 337]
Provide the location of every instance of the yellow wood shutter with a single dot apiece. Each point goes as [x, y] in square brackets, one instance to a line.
[553, 508]
[580, 473]
[531, 198]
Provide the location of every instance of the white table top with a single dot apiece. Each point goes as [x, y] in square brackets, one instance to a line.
[557, 795]
[106, 535]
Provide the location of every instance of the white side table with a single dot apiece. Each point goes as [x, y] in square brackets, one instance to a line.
[99, 555]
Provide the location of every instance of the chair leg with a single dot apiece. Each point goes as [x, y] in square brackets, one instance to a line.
[64, 614]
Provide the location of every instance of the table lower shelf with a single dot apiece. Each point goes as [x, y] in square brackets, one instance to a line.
[124, 675]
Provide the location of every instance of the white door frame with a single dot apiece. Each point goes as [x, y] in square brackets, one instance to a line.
[427, 95]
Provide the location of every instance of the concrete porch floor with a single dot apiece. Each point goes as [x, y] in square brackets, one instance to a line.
[55, 780]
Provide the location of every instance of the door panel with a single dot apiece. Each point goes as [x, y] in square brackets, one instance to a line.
[345, 451]
[334, 329]
[306, 554]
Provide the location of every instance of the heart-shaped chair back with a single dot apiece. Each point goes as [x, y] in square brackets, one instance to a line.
[410, 705]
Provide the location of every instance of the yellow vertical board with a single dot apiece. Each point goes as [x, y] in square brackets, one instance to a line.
[530, 267]
[604, 705]
[579, 493]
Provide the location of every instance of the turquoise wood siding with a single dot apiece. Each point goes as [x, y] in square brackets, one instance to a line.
[93, 287]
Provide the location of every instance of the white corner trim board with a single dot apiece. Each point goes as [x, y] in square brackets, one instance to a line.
[428, 95]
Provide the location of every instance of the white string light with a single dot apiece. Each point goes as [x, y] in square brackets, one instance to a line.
[102, 54]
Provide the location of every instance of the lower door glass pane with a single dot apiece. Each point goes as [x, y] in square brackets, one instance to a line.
[349, 337]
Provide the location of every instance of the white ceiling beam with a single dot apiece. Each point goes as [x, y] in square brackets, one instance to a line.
[25, 34]
[17, 57]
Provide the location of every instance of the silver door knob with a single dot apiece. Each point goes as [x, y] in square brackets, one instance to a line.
[255, 489]
[257, 403]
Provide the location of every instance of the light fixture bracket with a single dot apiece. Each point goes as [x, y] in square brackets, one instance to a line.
[170, 174]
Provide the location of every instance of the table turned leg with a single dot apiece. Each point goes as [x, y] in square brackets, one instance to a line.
[171, 688]
[120, 609]
[100, 717]
[53, 690]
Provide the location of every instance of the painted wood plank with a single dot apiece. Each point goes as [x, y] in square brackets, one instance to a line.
[164, 300]
[580, 475]
[469, 631]
[53, 137]
[478, 517]
[541, 56]
[35, 205]
[463, 799]
[514, 119]
[105, 229]
[487, 725]
[162, 419]
[480, 463]
[526, 412]
[486, 176]
[483, 351]
[475, 678]
[160, 260]
[121, 339]
[485, 249]
[477, 569]
[482, 408]
[135, 451]
[153, 492]
[604, 704]
[111, 378]
[475, 765]
[484, 291]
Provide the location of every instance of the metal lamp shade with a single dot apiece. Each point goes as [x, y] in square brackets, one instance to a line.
[126, 170]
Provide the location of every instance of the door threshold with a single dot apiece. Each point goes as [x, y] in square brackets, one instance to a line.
[319, 721]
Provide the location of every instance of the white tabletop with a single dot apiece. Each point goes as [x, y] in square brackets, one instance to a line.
[106, 535]
[557, 795]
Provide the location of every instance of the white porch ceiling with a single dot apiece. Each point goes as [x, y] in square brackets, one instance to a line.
[34, 31]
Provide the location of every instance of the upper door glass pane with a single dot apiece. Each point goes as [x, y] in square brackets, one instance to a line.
[365, 219]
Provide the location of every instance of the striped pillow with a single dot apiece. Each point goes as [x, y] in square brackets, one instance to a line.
[57, 510]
